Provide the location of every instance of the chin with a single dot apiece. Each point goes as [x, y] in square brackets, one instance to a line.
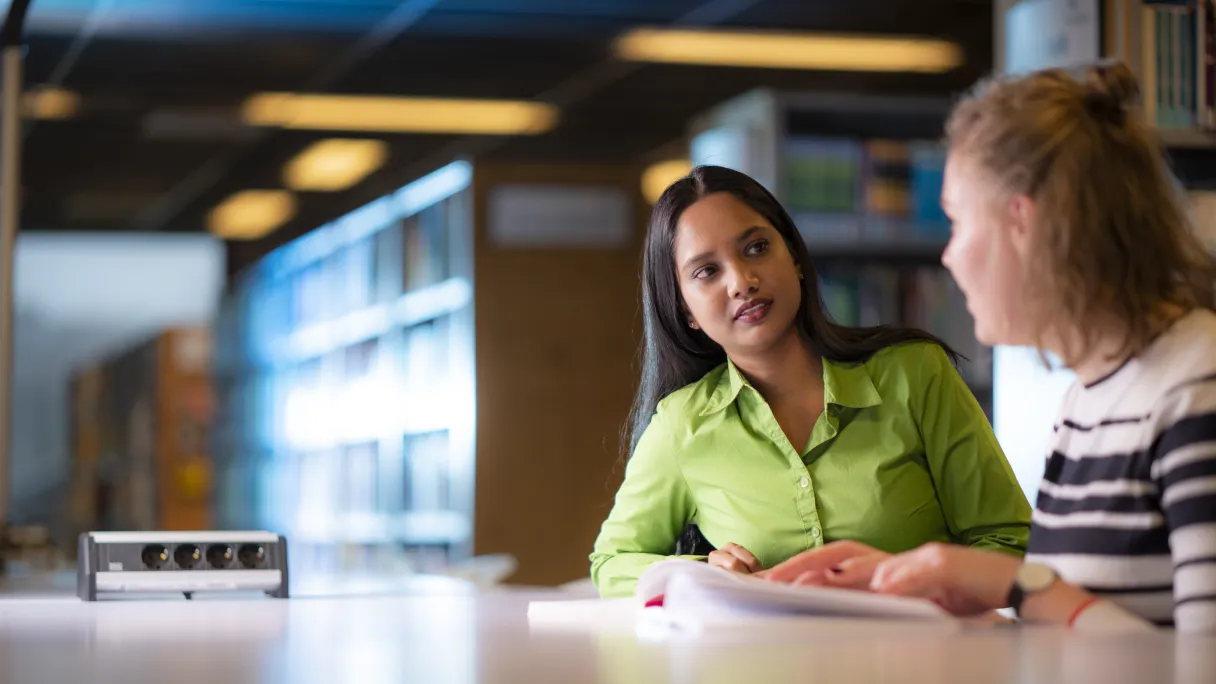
[985, 336]
[762, 338]
[1003, 336]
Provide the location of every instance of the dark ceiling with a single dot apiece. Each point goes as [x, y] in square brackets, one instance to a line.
[157, 144]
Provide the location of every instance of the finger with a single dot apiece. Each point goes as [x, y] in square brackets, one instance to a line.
[727, 561]
[745, 556]
[854, 572]
[907, 575]
[810, 579]
[817, 560]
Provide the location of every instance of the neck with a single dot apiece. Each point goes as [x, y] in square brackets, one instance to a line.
[1106, 352]
[787, 368]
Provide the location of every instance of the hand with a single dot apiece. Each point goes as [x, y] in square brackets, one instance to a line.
[736, 559]
[837, 564]
[962, 580]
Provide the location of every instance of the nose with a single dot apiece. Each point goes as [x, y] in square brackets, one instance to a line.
[948, 254]
[743, 282]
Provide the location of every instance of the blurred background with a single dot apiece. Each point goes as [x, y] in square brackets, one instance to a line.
[365, 272]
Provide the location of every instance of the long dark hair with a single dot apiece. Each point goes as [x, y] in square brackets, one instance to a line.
[675, 355]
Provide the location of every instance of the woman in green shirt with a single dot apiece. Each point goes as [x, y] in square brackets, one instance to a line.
[775, 430]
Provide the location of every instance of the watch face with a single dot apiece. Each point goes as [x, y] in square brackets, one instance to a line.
[1034, 577]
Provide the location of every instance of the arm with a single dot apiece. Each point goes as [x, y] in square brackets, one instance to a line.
[968, 581]
[984, 505]
[651, 508]
[1184, 469]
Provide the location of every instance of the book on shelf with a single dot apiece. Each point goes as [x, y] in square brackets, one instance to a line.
[928, 169]
[886, 179]
[923, 297]
[822, 175]
[935, 303]
[429, 459]
[359, 478]
[426, 248]
[1178, 64]
[874, 191]
[358, 269]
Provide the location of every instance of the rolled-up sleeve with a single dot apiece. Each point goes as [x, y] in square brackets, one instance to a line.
[984, 505]
[651, 508]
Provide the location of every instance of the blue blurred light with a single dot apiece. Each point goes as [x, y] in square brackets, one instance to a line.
[139, 16]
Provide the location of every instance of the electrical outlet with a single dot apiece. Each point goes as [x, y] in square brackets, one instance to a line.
[180, 562]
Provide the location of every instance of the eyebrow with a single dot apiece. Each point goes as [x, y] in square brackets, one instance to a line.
[706, 255]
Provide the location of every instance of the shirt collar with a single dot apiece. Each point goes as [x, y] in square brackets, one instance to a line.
[846, 385]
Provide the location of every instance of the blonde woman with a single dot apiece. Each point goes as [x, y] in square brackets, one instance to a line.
[1068, 235]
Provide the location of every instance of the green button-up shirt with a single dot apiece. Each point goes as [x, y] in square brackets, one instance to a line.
[902, 455]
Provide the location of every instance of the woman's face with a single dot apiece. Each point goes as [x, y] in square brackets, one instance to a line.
[987, 254]
[739, 282]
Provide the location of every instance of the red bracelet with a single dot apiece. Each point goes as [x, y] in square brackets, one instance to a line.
[1081, 608]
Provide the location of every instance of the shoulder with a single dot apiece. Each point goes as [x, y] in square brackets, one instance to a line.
[689, 401]
[918, 353]
[1183, 351]
[1179, 369]
[910, 363]
[678, 415]
[1185, 414]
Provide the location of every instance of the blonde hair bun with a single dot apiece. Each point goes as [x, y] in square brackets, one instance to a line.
[1110, 89]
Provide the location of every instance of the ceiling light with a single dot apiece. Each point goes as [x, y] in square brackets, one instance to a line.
[658, 177]
[772, 50]
[335, 164]
[251, 214]
[398, 114]
[50, 103]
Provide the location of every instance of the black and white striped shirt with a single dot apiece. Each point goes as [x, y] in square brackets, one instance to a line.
[1127, 507]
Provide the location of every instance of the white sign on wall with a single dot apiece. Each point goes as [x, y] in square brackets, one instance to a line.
[540, 216]
[1042, 34]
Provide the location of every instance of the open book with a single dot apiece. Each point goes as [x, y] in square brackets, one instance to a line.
[697, 592]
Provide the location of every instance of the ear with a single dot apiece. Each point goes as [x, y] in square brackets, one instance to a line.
[692, 322]
[1021, 222]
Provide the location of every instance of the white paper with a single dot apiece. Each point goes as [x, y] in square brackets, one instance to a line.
[699, 592]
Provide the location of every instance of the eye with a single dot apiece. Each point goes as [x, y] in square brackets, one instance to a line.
[756, 248]
[706, 271]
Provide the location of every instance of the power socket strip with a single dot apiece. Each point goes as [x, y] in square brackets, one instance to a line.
[180, 562]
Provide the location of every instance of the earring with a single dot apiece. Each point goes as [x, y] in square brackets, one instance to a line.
[693, 324]
[800, 276]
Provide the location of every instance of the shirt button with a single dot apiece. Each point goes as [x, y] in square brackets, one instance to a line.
[815, 532]
[805, 483]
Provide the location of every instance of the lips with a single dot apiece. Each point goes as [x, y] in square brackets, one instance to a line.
[753, 311]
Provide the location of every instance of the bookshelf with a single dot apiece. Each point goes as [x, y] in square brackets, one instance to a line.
[861, 176]
[344, 368]
[440, 374]
[139, 433]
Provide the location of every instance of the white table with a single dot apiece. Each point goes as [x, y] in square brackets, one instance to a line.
[443, 631]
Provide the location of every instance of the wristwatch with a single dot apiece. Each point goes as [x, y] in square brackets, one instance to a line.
[1031, 578]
